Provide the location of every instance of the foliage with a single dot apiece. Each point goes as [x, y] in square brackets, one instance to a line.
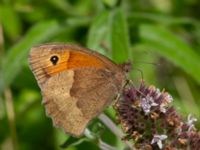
[165, 33]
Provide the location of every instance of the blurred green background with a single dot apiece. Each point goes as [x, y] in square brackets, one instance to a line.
[163, 32]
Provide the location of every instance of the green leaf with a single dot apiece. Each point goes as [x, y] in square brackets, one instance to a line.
[174, 48]
[160, 18]
[61, 4]
[17, 55]
[119, 36]
[10, 21]
[72, 141]
[98, 30]
[110, 3]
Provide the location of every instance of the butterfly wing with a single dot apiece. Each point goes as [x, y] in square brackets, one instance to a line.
[70, 57]
[73, 98]
[78, 87]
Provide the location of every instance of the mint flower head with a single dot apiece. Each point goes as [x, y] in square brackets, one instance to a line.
[147, 117]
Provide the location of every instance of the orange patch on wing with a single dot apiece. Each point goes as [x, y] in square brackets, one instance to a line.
[79, 59]
[72, 60]
[61, 64]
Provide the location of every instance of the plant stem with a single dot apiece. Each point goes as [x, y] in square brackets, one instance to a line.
[102, 145]
[112, 126]
[11, 118]
[1, 42]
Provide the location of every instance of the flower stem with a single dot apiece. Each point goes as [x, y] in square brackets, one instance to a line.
[112, 126]
[102, 145]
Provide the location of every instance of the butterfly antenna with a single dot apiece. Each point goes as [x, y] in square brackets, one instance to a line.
[132, 84]
[141, 73]
[149, 63]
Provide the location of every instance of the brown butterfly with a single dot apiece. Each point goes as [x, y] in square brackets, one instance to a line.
[76, 83]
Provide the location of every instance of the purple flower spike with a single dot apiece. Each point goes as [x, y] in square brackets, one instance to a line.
[147, 117]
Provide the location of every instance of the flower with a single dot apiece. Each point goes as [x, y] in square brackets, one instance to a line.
[163, 108]
[146, 111]
[190, 122]
[169, 98]
[146, 104]
[158, 140]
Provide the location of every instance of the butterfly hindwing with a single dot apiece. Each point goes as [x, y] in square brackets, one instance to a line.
[72, 106]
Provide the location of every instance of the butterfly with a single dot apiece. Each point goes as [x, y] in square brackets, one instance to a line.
[76, 83]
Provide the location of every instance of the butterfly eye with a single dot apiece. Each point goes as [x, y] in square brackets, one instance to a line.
[54, 59]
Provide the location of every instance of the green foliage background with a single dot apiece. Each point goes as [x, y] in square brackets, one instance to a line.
[164, 32]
